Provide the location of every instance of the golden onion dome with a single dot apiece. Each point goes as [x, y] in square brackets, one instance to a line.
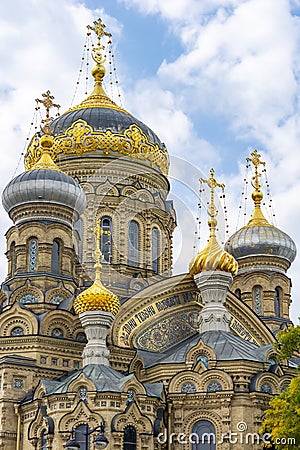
[97, 297]
[99, 127]
[212, 257]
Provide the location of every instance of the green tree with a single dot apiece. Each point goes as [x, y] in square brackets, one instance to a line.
[282, 419]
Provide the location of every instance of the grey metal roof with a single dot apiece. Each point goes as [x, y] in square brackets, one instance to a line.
[48, 186]
[227, 347]
[103, 119]
[261, 240]
[104, 378]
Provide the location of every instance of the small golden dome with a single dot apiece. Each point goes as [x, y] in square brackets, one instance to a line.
[213, 257]
[96, 297]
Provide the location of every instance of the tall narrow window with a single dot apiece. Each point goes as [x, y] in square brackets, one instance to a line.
[56, 255]
[33, 251]
[44, 441]
[133, 243]
[129, 438]
[106, 238]
[13, 257]
[277, 302]
[238, 293]
[204, 436]
[155, 249]
[82, 438]
[257, 300]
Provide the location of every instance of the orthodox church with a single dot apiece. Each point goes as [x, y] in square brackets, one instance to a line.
[101, 347]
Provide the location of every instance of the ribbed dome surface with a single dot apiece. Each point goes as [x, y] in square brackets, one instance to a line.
[261, 240]
[103, 119]
[48, 186]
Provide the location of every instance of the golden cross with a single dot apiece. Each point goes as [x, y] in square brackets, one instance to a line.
[47, 101]
[99, 30]
[98, 232]
[212, 184]
[256, 161]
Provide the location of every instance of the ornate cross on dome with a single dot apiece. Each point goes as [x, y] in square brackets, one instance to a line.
[212, 212]
[47, 101]
[256, 161]
[99, 30]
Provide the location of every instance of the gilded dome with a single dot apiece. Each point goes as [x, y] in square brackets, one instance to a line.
[99, 127]
[213, 257]
[96, 297]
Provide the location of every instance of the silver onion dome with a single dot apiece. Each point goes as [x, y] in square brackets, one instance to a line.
[44, 186]
[261, 240]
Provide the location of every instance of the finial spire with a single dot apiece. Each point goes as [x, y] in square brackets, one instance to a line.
[212, 257]
[98, 256]
[98, 70]
[48, 103]
[257, 195]
[212, 211]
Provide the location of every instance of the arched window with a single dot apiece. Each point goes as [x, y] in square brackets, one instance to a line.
[238, 293]
[33, 252]
[155, 249]
[277, 302]
[44, 441]
[257, 299]
[56, 256]
[81, 437]
[203, 436]
[133, 243]
[81, 337]
[17, 331]
[106, 238]
[13, 257]
[57, 333]
[129, 438]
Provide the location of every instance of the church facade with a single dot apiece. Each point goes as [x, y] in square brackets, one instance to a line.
[101, 346]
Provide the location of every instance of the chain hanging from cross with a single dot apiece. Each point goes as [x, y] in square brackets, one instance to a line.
[212, 211]
[256, 161]
[48, 103]
[99, 29]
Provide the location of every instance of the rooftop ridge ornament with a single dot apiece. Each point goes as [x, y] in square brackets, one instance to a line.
[212, 211]
[48, 103]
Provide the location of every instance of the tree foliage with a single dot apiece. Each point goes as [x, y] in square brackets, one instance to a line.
[282, 419]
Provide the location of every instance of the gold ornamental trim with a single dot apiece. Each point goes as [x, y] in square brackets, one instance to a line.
[80, 139]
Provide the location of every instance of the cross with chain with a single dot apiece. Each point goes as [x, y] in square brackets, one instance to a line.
[212, 184]
[48, 103]
[256, 161]
[99, 30]
[98, 230]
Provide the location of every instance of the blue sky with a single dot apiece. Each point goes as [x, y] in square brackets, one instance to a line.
[213, 78]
